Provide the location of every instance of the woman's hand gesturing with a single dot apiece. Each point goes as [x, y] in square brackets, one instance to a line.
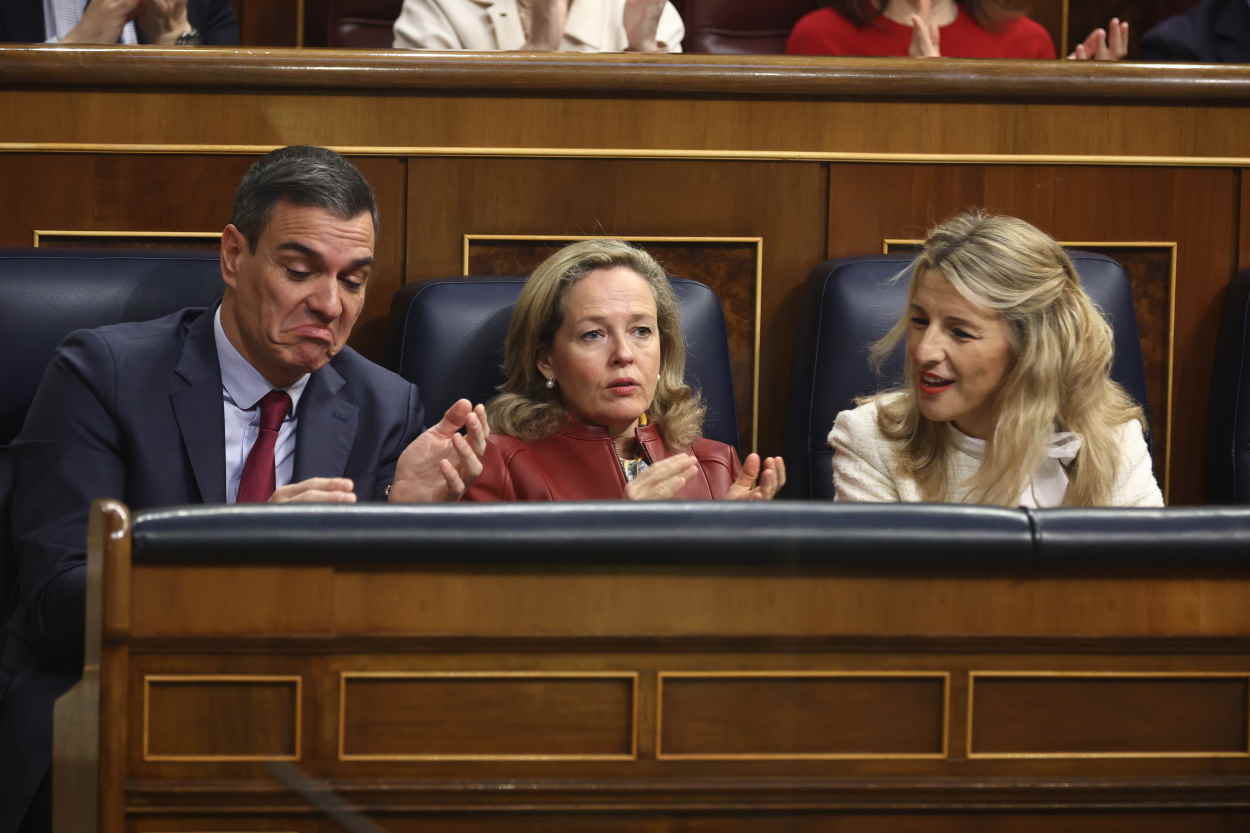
[756, 484]
[662, 480]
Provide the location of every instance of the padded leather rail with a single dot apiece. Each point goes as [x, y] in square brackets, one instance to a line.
[612, 532]
[1199, 535]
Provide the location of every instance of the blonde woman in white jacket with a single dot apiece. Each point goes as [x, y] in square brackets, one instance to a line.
[1007, 396]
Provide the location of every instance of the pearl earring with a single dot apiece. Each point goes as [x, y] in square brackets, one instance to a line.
[551, 384]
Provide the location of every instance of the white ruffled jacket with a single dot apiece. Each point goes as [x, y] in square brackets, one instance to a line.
[865, 466]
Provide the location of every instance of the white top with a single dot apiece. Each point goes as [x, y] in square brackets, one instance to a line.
[61, 16]
[242, 388]
[864, 466]
[495, 25]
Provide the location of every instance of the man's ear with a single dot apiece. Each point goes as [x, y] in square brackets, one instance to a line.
[233, 247]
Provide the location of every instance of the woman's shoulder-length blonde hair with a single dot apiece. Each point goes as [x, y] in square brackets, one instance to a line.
[1059, 375]
[526, 408]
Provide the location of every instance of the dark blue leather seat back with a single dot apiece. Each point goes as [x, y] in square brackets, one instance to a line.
[856, 301]
[451, 335]
[47, 294]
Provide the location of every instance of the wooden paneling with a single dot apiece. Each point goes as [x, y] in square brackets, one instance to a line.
[1243, 217]
[270, 600]
[226, 717]
[738, 602]
[617, 75]
[1126, 715]
[718, 127]
[487, 716]
[523, 696]
[696, 820]
[779, 715]
[268, 22]
[194, 193]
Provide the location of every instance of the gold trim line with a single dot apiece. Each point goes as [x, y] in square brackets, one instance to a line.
[649, 153]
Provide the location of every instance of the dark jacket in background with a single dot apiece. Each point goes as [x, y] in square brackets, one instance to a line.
[1213, 32]
[21, 21]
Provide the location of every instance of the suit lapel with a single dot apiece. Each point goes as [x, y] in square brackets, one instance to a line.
[327, 427]
[198, 409]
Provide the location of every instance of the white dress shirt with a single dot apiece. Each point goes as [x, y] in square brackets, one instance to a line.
[61, 16]
[242, 388]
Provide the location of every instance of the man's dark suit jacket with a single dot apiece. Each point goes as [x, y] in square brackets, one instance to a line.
[21, 21]
[1214, 31]
[134, 411]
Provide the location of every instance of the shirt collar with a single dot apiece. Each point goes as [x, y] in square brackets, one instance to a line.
[243, 384]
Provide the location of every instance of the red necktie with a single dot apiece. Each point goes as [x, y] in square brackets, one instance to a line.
[258, 481]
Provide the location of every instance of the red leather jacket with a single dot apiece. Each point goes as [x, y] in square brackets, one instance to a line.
[579, 462]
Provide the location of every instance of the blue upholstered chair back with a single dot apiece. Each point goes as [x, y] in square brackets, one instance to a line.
[448, 336]
[856, 301]
[46, 294]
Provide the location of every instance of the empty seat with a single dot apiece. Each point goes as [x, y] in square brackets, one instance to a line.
[741, 26]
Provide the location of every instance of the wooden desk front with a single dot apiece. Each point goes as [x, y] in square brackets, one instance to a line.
[624, 696]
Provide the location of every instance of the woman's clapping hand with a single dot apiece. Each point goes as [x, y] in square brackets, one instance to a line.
[758, 482]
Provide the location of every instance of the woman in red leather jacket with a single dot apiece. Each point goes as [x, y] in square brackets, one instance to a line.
[594, 405]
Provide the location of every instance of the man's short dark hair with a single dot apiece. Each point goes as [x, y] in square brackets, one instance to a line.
[302, 175]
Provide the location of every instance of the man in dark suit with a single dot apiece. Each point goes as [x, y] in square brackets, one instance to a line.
[167, 22]
[178, 410]
[1214, 31]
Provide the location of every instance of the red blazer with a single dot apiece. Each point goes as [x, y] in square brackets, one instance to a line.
[579, 462]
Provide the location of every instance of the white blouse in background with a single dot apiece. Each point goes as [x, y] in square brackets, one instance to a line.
[494, 25]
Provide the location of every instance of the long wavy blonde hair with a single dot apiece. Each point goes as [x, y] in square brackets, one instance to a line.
[526, 408]
[1059, 376]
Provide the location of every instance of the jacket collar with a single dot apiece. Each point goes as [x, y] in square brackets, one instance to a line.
[197, 408]
[327, 427]
[649, 436]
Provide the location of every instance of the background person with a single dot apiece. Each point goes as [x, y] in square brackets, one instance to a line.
[934, 28]
[540, 25]
[594, 403]
[1212, 32]
[164, 22]
[1006, 395]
